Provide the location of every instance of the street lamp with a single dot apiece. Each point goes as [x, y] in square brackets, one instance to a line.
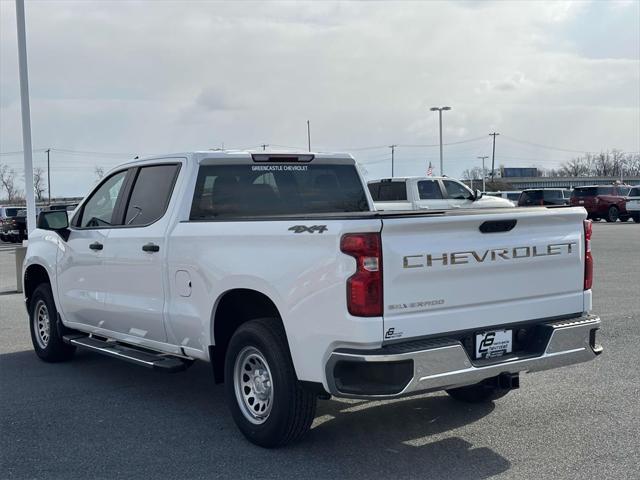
[439, 110]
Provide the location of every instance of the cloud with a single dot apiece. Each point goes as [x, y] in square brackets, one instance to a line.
[168, 76]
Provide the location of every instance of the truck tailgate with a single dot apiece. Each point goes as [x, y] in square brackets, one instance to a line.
[443, 274]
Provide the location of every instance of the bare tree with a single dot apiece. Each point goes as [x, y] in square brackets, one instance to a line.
[474, 173]
[8, 183]
[576, 167]
[39, 183]
[99, 171]
[605, 164]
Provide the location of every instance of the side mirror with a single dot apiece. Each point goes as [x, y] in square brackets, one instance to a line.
[55, 220]
[479, 194]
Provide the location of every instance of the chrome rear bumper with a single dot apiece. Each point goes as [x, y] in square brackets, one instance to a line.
[444, 363]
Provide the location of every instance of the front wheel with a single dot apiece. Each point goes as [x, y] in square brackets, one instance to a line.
[612, 214]
[636, 217]
[267, 402]
[46, 330]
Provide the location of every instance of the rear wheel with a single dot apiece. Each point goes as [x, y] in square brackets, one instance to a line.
[46, 329]
[612, 214]
[625, 218]
[268, 403]
[477, 393]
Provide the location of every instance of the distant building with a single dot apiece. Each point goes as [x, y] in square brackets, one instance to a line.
[519, 183]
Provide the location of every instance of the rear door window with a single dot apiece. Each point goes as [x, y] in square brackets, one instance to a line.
[532, 197]
[150, 195]
[605, 191]
[429, 190]
[228, 191]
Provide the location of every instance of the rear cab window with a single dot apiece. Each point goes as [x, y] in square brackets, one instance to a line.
[581, 192]
[388, 191]
[255, 190]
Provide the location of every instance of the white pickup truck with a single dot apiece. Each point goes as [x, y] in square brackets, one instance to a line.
[438, 193]
[276, 269]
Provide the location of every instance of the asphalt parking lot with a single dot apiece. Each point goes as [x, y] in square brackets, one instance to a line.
[96, 417]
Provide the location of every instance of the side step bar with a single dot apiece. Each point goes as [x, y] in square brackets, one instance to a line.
[146, 358]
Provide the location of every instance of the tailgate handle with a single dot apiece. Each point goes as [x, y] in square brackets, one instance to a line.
[496, 226]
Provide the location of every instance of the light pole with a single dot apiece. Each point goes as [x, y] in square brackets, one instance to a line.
[26, 116]
[484, 175]
[439, 110]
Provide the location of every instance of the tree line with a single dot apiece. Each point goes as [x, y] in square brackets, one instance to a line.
[606, 164]
[11, 192]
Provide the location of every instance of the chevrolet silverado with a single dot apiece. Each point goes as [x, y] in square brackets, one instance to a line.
[276, 269]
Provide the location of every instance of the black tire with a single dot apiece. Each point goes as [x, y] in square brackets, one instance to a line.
[290, 409]
[636, 217]
[625, 218]
[477, 393]
[612, 214]
[46, 335]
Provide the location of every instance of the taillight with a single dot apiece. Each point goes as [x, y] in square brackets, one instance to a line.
[588, 258]
[364, 288]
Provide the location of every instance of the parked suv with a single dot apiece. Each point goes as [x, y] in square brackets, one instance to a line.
[603, 201]
[633, 203]
[544, 196]
[7, 222]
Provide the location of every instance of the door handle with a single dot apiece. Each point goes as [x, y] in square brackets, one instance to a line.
[151, 247]
[96, 246]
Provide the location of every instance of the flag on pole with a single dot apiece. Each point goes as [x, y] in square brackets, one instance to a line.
[430, 170]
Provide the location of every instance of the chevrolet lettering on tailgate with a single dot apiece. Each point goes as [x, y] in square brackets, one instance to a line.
[491, 255]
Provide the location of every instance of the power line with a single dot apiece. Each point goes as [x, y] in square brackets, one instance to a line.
[548, 147]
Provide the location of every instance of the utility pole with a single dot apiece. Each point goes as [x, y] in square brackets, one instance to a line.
[48, 176]
[26, 116]
[484, 174]
[439, 110]
[264, 146]
[493, 155]
[309, 135]
[393, 150]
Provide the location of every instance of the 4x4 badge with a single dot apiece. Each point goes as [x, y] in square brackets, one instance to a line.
[312, 229]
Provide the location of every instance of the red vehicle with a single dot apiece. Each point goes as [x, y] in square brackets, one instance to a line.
[603, 201]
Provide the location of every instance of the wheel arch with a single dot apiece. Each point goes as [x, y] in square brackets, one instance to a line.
[233, 308]
[34, 275]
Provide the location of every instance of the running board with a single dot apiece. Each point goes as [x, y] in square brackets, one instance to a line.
[146, 358]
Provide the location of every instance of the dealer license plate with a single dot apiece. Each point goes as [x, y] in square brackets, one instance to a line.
[494, 344]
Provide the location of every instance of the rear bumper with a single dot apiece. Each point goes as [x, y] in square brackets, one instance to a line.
[430, 365]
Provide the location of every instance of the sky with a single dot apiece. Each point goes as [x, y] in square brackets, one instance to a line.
[111, 80]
